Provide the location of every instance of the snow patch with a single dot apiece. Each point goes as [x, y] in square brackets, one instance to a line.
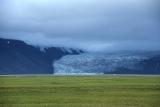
[8, 42]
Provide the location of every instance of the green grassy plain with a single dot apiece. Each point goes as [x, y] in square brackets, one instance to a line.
[80, 91]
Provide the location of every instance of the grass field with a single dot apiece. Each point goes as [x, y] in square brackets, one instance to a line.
[82, 91]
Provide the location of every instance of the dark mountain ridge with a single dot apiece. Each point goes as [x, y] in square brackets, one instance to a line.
[17, 57]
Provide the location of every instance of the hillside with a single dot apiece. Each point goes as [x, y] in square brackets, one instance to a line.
[17, 57]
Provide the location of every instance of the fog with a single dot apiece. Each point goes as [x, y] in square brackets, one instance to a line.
[85, 24]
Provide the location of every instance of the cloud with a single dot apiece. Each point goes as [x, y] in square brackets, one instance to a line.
[87, 24]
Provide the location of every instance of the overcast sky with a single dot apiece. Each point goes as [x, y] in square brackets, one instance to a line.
[93, 25]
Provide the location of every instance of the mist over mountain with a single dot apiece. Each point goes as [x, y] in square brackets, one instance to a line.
[49, 36]
[17, 57]
[89, 25]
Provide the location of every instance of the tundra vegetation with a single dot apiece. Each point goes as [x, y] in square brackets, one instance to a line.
[80, 91]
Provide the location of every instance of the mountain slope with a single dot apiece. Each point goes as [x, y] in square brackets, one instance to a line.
[17, 57]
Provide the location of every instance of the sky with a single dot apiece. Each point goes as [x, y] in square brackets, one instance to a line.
[92, 25]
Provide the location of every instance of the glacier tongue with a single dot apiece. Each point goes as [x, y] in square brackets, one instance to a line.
[97, 63]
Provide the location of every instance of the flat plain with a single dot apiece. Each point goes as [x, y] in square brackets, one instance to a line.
[80, 91]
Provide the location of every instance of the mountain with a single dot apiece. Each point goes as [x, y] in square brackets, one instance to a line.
[17, 57]
[126, 62]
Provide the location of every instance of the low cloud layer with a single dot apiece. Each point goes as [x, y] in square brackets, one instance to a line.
[87, 24]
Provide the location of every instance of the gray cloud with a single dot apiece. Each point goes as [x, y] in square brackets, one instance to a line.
[88, 24]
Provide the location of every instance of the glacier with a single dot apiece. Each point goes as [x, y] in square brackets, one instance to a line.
[102, 63]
